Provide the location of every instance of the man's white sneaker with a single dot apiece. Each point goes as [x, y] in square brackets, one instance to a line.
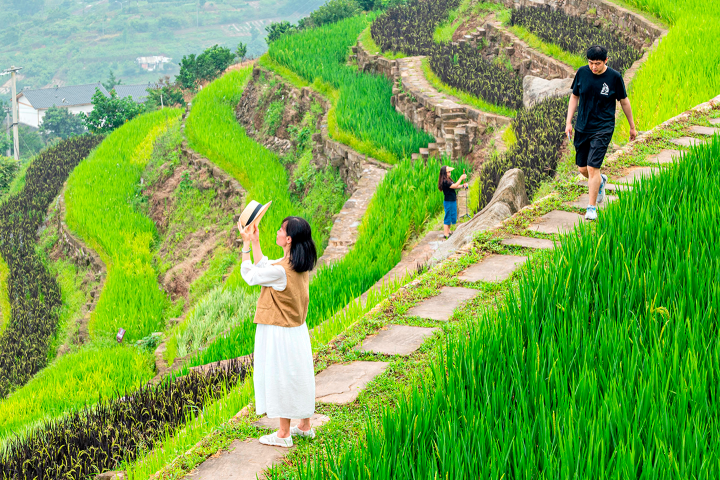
[591, 213]
[601, 191]
[296, 432]
[276, 441]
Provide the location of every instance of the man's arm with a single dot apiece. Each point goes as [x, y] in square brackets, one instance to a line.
[627, 109]
[572, 107]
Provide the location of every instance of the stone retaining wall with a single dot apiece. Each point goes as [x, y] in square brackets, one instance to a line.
[455, 126]
[498, 41]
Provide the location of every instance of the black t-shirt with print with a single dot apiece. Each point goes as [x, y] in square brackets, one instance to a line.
[598, 95]
[450, 194]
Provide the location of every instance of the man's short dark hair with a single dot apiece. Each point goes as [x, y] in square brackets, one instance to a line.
[596, 52]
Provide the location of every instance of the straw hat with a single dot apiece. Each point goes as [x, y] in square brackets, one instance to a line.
[449, 169]
[253, 213]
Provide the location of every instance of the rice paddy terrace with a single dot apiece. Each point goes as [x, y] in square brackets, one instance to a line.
[543, 347]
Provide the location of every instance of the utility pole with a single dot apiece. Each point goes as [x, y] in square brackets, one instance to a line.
[7, 130]
[16, 142]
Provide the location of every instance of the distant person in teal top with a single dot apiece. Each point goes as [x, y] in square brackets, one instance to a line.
[596, 90]
[448, 187]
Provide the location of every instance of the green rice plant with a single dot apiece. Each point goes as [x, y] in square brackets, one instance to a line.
[602, 364]
[72, 382]
[131, 298]
[682, 72]
[218, 311]
[363, 105]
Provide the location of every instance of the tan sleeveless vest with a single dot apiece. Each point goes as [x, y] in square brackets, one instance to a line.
[289, 307]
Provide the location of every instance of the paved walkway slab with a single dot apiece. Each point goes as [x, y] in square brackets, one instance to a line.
[705, 130]
[609, 187]
[637, 174]
[528, 242]
[556, 221]
[341, 384]
[316, 421]
[244, 460]
[493, 268]
[584, 200]
[396, 340]
[687, 141]
[714, 121]
[666, 156]
[441, 307]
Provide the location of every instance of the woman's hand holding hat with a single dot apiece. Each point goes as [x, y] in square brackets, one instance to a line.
[249, 234]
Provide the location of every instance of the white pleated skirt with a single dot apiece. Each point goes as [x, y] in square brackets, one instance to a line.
[284, 376]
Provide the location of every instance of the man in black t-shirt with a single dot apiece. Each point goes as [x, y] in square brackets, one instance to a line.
[596, 88]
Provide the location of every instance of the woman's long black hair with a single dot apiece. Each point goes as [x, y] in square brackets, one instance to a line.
[303, 254]
[443, 177]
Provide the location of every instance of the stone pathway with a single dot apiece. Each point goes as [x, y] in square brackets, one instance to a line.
[714, 121]
[244, 460]
[609, 187]
[584, 200]
[344, 231]
[687, 141]
[666, 156]
[396, 340]
[637, 174]
[493, 268]
[316, 421]
[705, 130]
[341, 384]
[528, 242]
[556, 222]
[442, 307]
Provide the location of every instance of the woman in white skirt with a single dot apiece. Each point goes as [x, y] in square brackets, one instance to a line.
[284, 375]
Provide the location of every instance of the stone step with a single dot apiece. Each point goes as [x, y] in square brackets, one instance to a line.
[396, 340]
[687, 141]
[637, 174]
[494, 268]
[453, 116]
[705, 130]
[714, 121]
[528, 242]
[666, 156]
[243, 460]
[609, 187]
[441, 307]
[415, 156]
[341, 384]
[584, 200]
[556, 222]
[424, 153]
[316, 421]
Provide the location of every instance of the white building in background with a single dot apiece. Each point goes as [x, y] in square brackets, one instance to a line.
[33, 104]
[152, 63]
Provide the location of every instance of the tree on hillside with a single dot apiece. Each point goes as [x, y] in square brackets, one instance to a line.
[277, 29]
[241, 51]
[110, 113]
[111, 81]
[60, 123]
[333, 11]
[166, 94]
[206, 66]
[5, 142]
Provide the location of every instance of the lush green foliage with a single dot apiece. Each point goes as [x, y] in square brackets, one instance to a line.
[538, 134]
[8, 169]
[110, 113]
[574, 34]
[131, 298]
[33, 292]
[5, 311]
[72, 382]
[603, 364]
[205, 67]
[60, 123]
[683, 71]
[550, 49]
[331, 12]
[97, 439]
[165, 95]
[363, 106]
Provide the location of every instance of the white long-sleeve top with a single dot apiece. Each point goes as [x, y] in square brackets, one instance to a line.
[264, 273]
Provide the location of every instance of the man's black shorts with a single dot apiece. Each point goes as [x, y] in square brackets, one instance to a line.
[590, 148]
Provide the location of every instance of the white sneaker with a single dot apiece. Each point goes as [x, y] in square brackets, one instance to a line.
[591, 213]
[601, 191]
[276, 441]
[296, 432]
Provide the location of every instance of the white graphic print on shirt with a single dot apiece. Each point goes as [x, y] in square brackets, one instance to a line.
[605, 89]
